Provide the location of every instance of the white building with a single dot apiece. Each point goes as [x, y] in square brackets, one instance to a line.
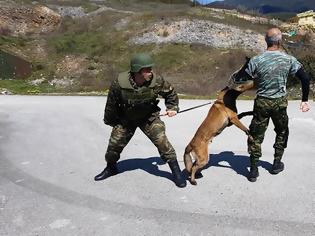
[307, 18]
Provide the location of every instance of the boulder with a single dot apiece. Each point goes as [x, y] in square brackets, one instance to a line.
[28, 20]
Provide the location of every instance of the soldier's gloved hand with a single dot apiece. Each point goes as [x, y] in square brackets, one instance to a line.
[304, 106]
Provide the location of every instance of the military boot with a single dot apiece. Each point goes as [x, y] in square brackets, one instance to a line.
[110, 170]
[253, 173]
[178, 177]
[277, 167]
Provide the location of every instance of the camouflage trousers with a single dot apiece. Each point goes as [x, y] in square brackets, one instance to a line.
[264, 109]
[154, 130]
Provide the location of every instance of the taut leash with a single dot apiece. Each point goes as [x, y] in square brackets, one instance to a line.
[191, 108]
[188, 109]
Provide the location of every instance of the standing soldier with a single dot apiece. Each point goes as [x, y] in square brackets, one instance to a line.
[131, 103]
[270, 71]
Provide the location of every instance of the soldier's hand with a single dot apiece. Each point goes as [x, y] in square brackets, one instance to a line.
[171, 113]
[304, 106]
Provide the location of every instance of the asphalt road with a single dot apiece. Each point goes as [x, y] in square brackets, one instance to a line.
[52, 147]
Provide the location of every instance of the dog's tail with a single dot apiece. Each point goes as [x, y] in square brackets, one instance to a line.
[187, 158]
[247, 113]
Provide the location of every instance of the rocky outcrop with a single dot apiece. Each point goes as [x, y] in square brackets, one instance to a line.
[74, 12]
[202, 32]
[28, 20]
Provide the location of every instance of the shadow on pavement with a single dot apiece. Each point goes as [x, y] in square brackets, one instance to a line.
[238, 163]
[150, 165]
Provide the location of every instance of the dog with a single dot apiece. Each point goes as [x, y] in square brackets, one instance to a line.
[222, 113]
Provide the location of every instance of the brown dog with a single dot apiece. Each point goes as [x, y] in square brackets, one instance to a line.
[222, 113]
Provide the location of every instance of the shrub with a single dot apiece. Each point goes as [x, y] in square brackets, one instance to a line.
[88, 42]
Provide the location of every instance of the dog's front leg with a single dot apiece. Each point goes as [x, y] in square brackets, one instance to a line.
[240, 125]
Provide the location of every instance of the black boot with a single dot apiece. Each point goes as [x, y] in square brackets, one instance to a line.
[253, 173]
[277, 167]
[178, 178]
[110, 170]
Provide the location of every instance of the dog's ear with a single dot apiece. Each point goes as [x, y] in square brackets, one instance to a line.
[226, 88]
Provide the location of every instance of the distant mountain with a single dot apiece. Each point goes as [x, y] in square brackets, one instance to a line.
[268, 6]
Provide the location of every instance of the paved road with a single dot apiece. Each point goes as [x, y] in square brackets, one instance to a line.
[51, 148]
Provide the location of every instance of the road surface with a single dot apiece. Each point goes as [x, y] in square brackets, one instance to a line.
[51, 147]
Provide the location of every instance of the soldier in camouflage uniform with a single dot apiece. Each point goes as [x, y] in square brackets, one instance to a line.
[132, 103]
[270, 71]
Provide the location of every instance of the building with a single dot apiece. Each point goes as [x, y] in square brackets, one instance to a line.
[306, 18]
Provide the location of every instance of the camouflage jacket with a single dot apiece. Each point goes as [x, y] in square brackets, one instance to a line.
[128, 104]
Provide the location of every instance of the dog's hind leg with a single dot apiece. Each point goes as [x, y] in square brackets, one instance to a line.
[202, 158]
[187, 158]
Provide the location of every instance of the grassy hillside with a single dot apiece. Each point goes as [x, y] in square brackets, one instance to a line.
[86, 54]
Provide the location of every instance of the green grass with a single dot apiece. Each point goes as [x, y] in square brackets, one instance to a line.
[87, 42]
[149, 5]
[284, 16]
[89, 7]
[24, 87]
[173, 57]
[13, 41]
[74, 3]
[23, 2]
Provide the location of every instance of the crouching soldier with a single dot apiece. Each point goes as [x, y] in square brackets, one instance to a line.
[132, 103]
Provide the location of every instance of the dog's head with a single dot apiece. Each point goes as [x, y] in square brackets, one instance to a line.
[240, 76]
[234, 91]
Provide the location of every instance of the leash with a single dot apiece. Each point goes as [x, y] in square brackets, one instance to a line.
[188, 109]
[191, 108]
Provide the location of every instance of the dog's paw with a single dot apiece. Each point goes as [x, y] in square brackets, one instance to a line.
[193, 182]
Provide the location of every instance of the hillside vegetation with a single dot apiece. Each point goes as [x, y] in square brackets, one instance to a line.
[95, 40]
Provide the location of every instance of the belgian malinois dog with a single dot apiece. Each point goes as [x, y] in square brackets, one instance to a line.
[222, 113]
